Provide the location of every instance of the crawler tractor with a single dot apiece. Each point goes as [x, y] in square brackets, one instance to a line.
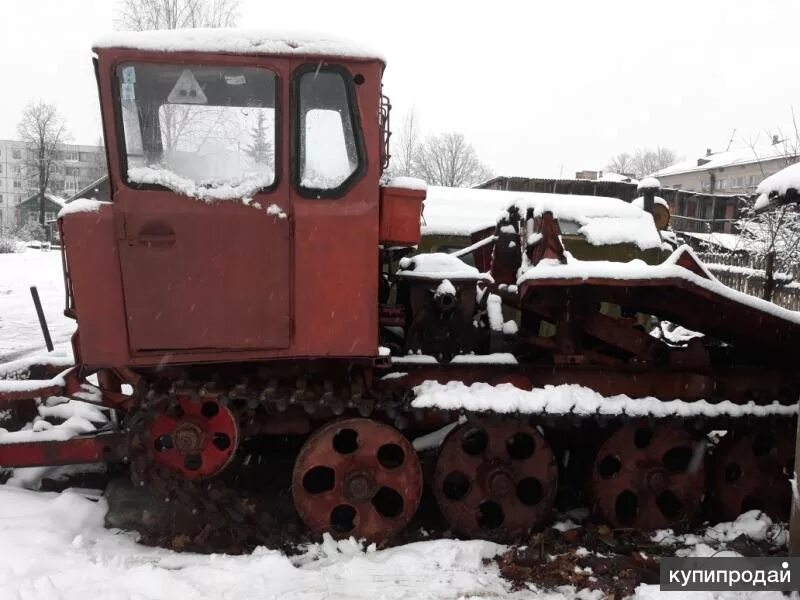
[256, 277]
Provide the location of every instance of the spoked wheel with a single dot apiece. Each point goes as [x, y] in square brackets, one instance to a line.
[357, 477]
[495, 480]
[648, 476]
[752, 471]
[193, 437]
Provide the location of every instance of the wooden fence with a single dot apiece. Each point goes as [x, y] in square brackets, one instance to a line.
[747, 274]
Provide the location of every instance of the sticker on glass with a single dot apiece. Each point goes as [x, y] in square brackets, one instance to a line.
[235, 79]
[187, 90]
[128, 92]
[129, 74]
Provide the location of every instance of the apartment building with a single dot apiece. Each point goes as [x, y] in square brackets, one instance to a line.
[74, 168]
[737, 171]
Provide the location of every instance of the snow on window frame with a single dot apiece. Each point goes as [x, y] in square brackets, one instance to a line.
[297, 131]
[210, 61]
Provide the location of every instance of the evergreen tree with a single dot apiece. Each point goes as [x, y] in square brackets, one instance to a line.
[260, 150]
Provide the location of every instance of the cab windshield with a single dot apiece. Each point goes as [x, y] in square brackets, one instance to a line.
[204, 131]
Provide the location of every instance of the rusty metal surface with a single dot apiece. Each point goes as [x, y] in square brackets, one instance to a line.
[101, 448]
[648, 476]
[495, 480]
[680, 301]
[31, 383]
[357, 477]
[195, 437]
[327, 249]
[752, 471]
[442, 325]
[33, 389]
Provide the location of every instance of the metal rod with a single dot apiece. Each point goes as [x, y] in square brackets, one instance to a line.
[42, 323]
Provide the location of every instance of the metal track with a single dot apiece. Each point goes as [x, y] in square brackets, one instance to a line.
[232, 520]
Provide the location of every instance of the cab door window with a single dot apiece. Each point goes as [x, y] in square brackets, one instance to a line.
[203, 130]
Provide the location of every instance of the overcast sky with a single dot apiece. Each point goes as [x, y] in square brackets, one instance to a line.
[539, 88]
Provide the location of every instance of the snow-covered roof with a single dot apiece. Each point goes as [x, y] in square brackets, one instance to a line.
[777, 185]
[616, 177]
[602, 220]
[51, 197]
[237, 41]
[92, 187]
[727, 241]
[728, 158]
[56, 199]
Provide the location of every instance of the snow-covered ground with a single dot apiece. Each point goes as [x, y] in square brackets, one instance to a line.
[20, 333]
[54, 546]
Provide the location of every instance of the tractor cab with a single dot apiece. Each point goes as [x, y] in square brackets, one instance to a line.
[244, 221]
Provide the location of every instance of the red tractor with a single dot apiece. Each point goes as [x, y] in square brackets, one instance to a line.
[251, 277]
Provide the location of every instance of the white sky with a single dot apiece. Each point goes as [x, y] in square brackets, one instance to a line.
[539, 88]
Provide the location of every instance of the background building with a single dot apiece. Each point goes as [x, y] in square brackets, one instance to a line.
[730, 172]
[74, 168]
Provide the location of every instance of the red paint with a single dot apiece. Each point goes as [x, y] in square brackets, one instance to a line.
[98, 448]
[226, 281]
[400, 213]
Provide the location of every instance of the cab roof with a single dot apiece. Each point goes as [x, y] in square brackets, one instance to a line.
[238, 41]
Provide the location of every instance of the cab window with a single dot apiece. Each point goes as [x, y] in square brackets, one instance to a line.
[330, 155]
[198, 129]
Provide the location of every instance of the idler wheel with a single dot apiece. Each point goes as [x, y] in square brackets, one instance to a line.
[752, 471]
[193, 437]
[648, 476]
[495, 480]
[357, 477]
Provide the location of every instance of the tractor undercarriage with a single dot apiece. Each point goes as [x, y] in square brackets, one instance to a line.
[652, 394]
[600, 415]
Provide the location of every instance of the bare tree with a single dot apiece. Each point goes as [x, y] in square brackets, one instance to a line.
[622, 163]
[773, 235]
[644, 162]
[449, 160]
[143, 15]
[408, 145]
[43, 129]
[647, 161]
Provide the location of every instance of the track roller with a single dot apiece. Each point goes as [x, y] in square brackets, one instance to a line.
[648, 476]
[495, 480]
[357, 477]
[194, 437]
[752, 471]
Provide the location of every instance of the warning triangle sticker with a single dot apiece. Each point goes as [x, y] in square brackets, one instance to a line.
[187, 90]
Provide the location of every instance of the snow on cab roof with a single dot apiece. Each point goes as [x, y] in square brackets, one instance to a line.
[237, 41]
[601, 220]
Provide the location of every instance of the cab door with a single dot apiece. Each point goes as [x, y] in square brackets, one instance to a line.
[335, 204]
[204, 276]
[204, 232]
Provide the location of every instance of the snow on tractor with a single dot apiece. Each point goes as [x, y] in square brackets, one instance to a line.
[257, 280]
